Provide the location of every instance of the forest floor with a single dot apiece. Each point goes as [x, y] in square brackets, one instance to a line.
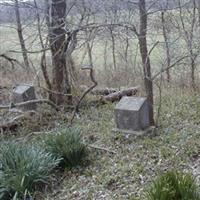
[127, 173]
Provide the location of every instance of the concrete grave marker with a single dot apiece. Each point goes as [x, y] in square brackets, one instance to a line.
[23, 93]
[132, 114]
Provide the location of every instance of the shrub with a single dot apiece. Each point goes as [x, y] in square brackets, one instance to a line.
[174, 185]
[22, 168]
[67, 144]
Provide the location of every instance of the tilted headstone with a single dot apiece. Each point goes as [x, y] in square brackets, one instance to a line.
[132, 114]
[23, 93]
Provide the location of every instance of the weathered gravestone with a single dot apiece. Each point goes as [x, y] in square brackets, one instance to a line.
[132, 114]
[23, 93]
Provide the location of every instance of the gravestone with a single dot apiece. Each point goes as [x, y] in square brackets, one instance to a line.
[23, 93]
[132, 114]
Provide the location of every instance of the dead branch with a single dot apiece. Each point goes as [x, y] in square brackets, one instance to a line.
[37, 101]
[84, 94]
[54, 92]
[11, 60]
[167, 68]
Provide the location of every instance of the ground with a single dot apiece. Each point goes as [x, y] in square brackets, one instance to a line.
[137, 161]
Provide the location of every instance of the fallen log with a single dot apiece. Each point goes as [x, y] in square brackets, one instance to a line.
[116, 96]
[104, 91]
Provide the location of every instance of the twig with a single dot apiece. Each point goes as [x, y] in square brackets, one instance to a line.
[11, 60]
[171, 66]
[102, 148]
[84, 94]
[40, 101]
[13, 122]
[54, 92]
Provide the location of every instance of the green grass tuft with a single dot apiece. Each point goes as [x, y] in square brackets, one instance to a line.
[67, 144]
[174, 185]
[22, 168]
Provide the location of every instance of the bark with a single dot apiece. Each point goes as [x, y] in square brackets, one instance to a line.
[20, 35]
[145, 58]
[116, 96]
[166, 45]
[58, 44]
[104, 91]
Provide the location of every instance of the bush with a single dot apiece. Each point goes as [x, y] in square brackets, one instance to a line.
[22, 168]
[174, 186]
[67, 144]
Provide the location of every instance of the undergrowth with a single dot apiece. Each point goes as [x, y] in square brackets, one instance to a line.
[174, 185]
[22, 168]
[67, 144]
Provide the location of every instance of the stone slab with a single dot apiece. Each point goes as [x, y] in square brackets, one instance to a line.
[23, 93]
[132, 113]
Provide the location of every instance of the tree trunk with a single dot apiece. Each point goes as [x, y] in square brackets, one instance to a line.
[166, 45]
[57, 40]
[105, 56]
[145, 58]
[126, 49]
[113, 48]
[193, 84]
[21, 37]
[199, 11]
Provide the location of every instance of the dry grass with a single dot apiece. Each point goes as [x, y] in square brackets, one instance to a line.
[138, 160]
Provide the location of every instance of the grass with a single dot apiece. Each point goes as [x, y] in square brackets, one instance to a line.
[128, 173]
[23, 168]
[174, 185]
[67, 144]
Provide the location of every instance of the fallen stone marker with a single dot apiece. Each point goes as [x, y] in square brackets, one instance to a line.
[23, 93]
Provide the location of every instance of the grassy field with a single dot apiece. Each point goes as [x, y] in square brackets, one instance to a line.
[137, 161]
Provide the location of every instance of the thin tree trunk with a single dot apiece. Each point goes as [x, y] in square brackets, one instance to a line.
[166, 45]
[43, 57]
[126, 50]
[145, 58]
[113, 49]
[21, 37]
[105, 55]
[193, 84]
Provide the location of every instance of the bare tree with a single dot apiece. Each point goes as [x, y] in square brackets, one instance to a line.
[20, 35]
[188, 30]
[166, 40]
[145, 57]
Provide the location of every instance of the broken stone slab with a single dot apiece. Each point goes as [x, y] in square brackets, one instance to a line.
[132, 114]
[23, 93]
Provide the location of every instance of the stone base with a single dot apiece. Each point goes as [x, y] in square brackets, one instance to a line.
[148, 131]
